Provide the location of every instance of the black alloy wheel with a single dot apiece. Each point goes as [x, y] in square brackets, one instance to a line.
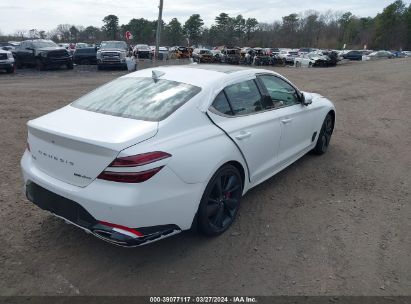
[220, 201]
[325, 135]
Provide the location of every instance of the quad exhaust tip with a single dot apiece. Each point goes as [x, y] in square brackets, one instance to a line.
[128, 237]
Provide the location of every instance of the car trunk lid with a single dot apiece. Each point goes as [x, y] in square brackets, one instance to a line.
[75, 145]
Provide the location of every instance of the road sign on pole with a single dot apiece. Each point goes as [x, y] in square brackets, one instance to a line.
[158, 34]
[128, 35]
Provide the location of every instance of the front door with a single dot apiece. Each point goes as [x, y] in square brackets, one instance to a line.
[297, 127]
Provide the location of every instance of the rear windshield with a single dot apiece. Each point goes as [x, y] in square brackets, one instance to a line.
[113, 45]
[138, 98]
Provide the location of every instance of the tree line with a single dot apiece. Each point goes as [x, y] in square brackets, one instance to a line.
[390, 29]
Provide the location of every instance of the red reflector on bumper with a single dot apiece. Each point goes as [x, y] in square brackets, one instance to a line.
[131, 230]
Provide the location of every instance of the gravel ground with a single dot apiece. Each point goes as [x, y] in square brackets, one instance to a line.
[338, 224]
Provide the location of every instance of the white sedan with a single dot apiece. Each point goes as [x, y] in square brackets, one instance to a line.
[167, 149]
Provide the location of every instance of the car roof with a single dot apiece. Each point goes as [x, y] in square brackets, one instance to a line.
[201, 75]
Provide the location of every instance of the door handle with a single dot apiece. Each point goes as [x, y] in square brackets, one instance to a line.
[286, 120]
[243, 135]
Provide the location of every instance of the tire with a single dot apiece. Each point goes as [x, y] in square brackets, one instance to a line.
[69, 66]
[99, 67]
[324, 138]
[39, 65]
[220, 201]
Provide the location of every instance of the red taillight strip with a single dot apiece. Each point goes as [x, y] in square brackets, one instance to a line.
[129, 177]
[139, 160]
[131, 230]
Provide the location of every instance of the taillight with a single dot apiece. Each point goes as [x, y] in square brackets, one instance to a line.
[133, 161]
[129, 177]
[139, 160]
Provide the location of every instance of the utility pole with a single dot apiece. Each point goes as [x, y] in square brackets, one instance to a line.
[159, 22]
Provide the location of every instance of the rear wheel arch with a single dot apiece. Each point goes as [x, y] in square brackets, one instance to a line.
[239, 167]
[198, 220]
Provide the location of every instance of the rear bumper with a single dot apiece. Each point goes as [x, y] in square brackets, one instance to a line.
[160, 207]
[75, 214]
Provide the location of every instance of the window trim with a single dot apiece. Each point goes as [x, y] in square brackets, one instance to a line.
[215, 111]
[263, 92]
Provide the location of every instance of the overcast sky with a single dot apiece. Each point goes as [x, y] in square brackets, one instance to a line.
[47, 14]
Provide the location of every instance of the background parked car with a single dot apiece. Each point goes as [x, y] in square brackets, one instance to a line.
[317, 59]
[398, 54]
[287, 56]
[163, 53]
[203, 56]
[380, 55]
[353, 55]
[42, 54]
[7, 61]
[217, 55]
[231, 56]
[81, 45]
[86, 55]
[261, 56]
[112, 54]
[304, 51]
[142, 51]
[7, 46]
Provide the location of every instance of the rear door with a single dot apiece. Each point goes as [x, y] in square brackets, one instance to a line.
[239, 110]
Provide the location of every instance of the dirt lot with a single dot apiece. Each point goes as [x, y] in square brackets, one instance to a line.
[338, 224]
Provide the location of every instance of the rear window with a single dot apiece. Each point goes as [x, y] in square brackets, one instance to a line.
[138, 98]
[245, 98]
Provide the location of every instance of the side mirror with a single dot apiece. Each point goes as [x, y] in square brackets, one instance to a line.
[306, 99]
